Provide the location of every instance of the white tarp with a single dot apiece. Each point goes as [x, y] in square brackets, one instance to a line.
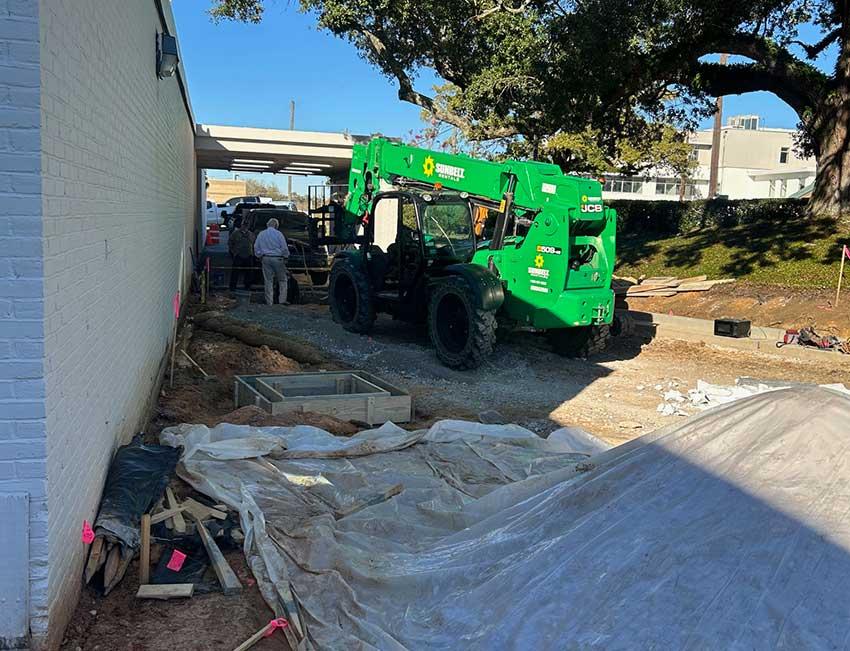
[727, 531]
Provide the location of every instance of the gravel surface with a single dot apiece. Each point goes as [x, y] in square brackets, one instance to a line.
[613, 396]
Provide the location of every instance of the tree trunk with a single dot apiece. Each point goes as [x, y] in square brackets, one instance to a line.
[831, 194]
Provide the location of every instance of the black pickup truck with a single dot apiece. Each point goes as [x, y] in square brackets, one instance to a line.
[295, 226]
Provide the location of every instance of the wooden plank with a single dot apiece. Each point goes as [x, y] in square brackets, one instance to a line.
[96, 558]
[226, 576]
[202, 511]
[166, 591]
[145, 551]
[179, 521]
[165, 515]
[660, 293]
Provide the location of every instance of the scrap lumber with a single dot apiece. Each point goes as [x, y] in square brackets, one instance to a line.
[96, 558]
[145, 551]
[177, 518]
[226, 576]
[664, 286]
[166, 515]
[202, 511]
[255, 335]
[165, 591]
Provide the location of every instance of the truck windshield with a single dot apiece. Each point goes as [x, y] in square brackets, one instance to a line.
[447, 230]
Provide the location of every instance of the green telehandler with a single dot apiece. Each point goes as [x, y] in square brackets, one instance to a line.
[468, 246]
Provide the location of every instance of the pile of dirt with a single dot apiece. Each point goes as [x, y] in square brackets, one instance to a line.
[257, 417]
[223, 356]
[765, 305]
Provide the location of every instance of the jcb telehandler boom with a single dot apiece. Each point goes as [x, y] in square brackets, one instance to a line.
[465, 244]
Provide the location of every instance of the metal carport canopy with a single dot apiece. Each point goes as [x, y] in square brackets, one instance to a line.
[279, 151]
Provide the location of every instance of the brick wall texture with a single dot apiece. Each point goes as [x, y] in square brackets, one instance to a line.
[98, 185]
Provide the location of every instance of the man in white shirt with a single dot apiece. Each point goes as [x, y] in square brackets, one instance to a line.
[272, 249]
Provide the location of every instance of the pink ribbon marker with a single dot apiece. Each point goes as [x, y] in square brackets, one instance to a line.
[88, 534]
[280, 622]
[175, 303]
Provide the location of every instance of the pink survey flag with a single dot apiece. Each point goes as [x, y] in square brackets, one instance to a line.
[176, 560]
[88, 533]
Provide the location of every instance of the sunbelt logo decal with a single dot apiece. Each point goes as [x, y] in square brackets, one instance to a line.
[428, 166]
[451, 172]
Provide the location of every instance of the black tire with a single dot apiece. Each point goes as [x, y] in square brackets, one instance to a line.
[581, 342]
[293, 291]
[350, 297]
[461, 333]
[623, 324]
[319, 278]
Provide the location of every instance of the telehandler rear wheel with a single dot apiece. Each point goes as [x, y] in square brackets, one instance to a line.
[581, 342]
[462, 334]
[350, 297]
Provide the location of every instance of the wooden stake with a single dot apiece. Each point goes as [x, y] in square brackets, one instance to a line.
[96, 558]
[194, 363]
[165, 591]
[179, 521]
[145, 552]
[251, 641]
[840, 274]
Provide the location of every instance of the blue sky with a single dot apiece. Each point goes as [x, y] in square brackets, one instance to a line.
[245, 75]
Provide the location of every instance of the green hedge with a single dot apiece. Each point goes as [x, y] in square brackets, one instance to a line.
[675, 217]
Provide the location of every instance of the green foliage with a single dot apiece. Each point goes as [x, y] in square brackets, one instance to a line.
[769, 245]
[596, 78]
[252, 186]
[678, 217]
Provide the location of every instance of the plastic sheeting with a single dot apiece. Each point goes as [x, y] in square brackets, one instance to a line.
[137, 478]
[728, 531]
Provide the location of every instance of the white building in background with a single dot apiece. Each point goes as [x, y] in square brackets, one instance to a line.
[755, 163]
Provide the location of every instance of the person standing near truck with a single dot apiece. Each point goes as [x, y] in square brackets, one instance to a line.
[273, 251]
[241, 247]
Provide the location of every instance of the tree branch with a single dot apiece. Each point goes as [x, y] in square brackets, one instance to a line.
[798, 83]
[812, 51]
[718, 80]
[407, 93]
[501, 6]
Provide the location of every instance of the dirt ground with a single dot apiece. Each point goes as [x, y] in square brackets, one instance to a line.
[765, 305]
[615, 397]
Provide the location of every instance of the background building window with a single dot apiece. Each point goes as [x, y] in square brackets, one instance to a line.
[623, 184]
[783, 155]
[672, 187]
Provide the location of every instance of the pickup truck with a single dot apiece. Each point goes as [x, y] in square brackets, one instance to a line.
[229, 206]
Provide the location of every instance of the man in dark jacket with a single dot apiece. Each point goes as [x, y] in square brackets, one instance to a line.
[241, 247]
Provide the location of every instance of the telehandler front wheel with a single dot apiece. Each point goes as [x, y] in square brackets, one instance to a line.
[350, 297]
[462, 334]
[581, 342]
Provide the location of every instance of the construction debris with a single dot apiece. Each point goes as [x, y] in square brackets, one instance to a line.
[663, 286]
[137, 476]
[707, 396]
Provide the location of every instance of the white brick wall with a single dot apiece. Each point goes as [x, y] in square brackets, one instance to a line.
[22, 410]
[119, 185]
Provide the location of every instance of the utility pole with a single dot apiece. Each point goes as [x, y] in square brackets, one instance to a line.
[715, 141]
[291, 128]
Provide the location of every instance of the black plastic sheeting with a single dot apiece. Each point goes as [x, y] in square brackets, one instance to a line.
[137, 479]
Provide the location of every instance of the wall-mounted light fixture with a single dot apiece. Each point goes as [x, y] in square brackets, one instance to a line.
[166, 55]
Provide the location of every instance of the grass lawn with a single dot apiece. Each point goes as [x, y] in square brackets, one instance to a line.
[803, 254]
